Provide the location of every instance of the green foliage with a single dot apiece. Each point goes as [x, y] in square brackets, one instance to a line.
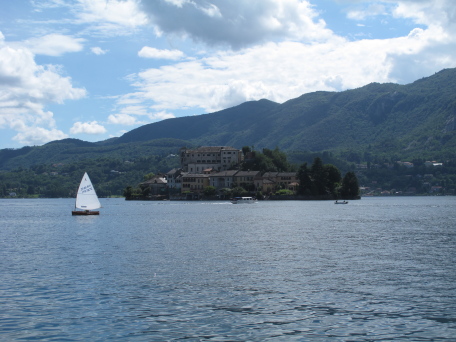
[305, 182]
[128, 192]
[333, 178]
[246, 149]
[320, 180]
[148, 176]
[350, 187]
[210, 191]
[284, 192]
[268, 161]
[239, 192]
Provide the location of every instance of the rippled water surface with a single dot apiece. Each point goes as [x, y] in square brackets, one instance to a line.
[375, 269]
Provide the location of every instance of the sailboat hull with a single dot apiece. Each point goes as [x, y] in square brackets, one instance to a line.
[84, 213]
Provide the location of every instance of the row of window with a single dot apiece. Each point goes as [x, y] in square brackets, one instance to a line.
[191, 186]
[207, 154]
[211, 154]
[193, 180]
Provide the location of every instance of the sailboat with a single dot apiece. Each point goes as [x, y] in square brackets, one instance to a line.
[86, 199]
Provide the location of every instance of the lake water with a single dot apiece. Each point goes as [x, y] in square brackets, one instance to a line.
[375, 269]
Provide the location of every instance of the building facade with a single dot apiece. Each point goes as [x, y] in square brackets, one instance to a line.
[217, 158]
[194, 182]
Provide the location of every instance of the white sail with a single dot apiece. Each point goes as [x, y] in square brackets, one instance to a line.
[87, 198]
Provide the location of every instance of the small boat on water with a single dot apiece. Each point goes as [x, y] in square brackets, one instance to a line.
[341, 202]
[86, 199]
[243, 200]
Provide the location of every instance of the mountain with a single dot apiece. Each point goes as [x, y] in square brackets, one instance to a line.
[231, 126]
[407, 121]
[389, 117]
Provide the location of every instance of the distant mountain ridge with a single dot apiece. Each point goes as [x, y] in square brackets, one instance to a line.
[417, 119]
[388, 116]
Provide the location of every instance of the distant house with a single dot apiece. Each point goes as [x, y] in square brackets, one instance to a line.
[246, 179]
[174, 179]
[267, 185]
[156, 184]
[194, 182]
[281, 180]
[222, 179]
[432, 163]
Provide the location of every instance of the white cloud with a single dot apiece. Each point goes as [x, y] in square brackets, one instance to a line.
[150, 52]
[161, 116]
[38, 135]
[122, 119]
[129, 114]
[438, 15]
[54, 44]
[110, 17]
[98, 50]
[92, 127]
[286, 69]
[25, 89]
[280, 71]
[237, 23]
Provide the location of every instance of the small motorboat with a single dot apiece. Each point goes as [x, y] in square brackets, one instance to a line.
[341, 202]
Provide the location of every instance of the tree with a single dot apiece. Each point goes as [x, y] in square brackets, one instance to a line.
[210, 191]
[239, 192]
[128, 192]
[350, 187]
[30, 190]
[333, 178]
[149, 176]
[318, 177]
[246, 149]
[278, 158]
[305, 183]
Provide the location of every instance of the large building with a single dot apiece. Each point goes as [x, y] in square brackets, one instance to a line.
[216, 158]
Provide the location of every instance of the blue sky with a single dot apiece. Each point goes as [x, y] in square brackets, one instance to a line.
[95, 69]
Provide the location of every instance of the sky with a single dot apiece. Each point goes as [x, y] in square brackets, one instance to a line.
[95, 69]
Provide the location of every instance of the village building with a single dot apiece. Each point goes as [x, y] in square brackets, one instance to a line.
[267, 185]
[157, 185]
[273, 181]
[246, 179]
[194, 182]
[217, 158]
[222, 179]
[174, 178]
[432, 164]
